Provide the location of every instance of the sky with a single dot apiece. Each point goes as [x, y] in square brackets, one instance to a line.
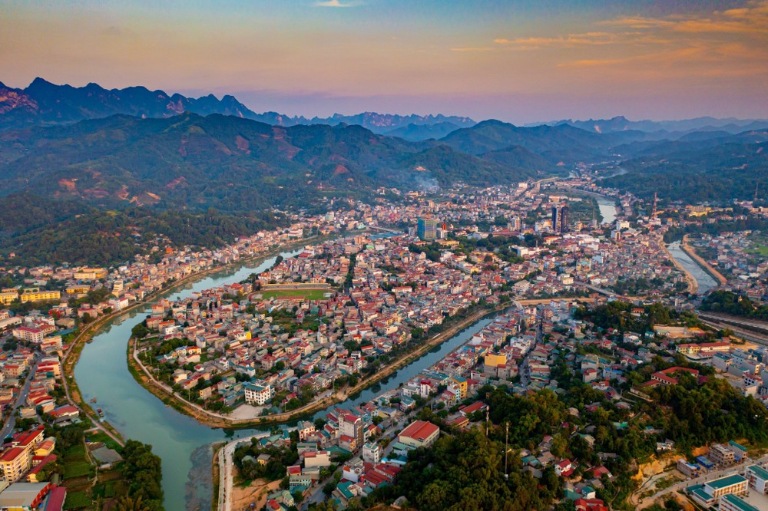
[518, 61]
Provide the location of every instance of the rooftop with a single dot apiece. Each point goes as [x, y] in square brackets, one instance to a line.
[725, 482]
[738, 503]
[420, 430]
[759, 472]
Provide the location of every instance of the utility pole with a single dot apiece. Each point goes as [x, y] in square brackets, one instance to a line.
[506, 450]
[487, 416]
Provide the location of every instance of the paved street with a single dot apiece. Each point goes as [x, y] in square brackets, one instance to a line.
[226, 470]
[20, 401]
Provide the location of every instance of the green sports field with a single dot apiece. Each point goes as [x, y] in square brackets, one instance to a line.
[309, 294]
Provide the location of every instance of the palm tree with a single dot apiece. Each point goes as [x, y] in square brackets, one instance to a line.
[126, 503]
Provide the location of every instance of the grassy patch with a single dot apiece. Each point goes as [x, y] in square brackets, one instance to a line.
[75, 453]
[76, 500]
[309, 294]
[761, 250]
[77, 469]
[105, 439]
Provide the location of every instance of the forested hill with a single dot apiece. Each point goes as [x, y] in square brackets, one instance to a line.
[44, 231]
[719, 169]
[235, 164]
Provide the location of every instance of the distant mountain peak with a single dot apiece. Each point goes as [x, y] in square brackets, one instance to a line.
[493, 122]
[40, 81]
[46, 103]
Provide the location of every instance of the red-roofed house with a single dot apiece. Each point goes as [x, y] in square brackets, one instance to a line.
[419, 434]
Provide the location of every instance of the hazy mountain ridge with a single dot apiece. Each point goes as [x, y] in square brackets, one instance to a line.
[228, 162]
[44, 103]
[670, 130]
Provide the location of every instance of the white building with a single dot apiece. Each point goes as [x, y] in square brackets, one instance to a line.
[257, 394]
[372, 452]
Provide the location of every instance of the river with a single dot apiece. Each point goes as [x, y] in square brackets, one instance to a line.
[706, 282]
[607, 206]
[181, 442]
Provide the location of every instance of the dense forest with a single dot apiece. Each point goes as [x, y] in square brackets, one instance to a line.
[465, 472]
[718, 170]
[731, 303]
[52, 232]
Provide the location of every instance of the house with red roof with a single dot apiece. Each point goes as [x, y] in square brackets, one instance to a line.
[419, 434]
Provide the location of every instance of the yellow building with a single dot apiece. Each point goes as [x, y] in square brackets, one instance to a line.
[35, 295]
[90, 273]
[14, 462]
[6, 297]
[78, 290]
[462, 384]
[493, 360]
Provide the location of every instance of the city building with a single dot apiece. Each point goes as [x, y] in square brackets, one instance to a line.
[14, 462]
[758, 478]
[426, 228]
[419, 434]
[560, 218]
[257, 394]
[733, 484]
[372, 452]
[36, 295]
[733, 503]
[722, 455]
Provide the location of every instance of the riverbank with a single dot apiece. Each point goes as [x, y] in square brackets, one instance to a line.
[693, 284]
[685, 247]
[72, 355]
[216, 420]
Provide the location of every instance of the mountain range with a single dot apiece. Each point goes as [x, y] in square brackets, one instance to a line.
[136, 147]
[44, 103]
[670, 130]
[237, 164]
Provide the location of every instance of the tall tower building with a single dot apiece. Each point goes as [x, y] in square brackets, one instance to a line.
[555, 217]
[560, 218]
[426, 228]
[564, 218]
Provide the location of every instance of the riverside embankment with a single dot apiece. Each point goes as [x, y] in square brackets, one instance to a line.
[217, 420]
[183, 444]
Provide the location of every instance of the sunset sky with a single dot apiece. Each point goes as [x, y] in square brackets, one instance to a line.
[520, 61]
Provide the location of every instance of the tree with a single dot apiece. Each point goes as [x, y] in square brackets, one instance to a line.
[126, 503]
[559, 445]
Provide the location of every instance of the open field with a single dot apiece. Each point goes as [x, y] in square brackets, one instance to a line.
[309, 294]
[761, 250]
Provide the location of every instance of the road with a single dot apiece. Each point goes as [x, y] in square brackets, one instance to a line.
[700, 480]
[753, 324]
[20, 401]
[226, 470]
